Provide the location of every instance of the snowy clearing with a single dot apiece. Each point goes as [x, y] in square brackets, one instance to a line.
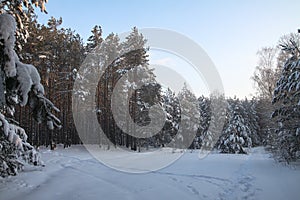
[74, 174]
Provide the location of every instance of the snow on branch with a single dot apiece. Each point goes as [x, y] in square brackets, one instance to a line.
[22, 78]
[7, 38]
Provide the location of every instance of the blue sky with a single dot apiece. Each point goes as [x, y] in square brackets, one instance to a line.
[230, 31]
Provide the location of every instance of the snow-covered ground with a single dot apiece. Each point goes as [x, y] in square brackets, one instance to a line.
[74, 174]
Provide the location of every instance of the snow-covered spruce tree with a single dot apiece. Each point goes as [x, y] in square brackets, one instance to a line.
[171, 108]
[203, 135]
[287, 101]
[148, 95]
[236, 134]
[251, 120]
[212, 117]
[190, 117]
[218, 111]
[19, 84]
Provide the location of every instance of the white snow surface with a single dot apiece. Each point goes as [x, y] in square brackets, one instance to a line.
[74, 174]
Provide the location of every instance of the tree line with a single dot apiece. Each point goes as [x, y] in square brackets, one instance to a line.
[61, 53]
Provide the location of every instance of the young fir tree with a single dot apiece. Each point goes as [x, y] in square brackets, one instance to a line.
[204, 136]
[251, 120]
[189, 121]
[19, 85]
[236, 134]
[287, 100]
[146, 97]
[217, 120]
[171, 108]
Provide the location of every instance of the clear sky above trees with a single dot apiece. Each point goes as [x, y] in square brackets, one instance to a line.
[231, 32]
